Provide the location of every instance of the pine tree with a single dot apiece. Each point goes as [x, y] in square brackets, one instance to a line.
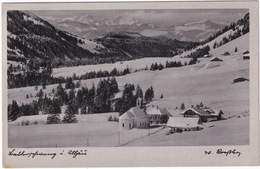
[152, 92]
[161, 96]
[14, 111]
[201, 104]
[78, 84]
[53, 119]
[44, 85]
[149, 94]
[139, 92]
[182, 106]
[69, 116]
[71, 95]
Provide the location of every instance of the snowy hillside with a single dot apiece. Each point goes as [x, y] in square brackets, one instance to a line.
[206, 74]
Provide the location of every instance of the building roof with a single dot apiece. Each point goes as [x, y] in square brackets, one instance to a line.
[215, 59]
[186, 122]
[159, 111]
[134, 113]
[138, 112]
[246, 52]
[198, 111]
[127, 115]
[226, 53]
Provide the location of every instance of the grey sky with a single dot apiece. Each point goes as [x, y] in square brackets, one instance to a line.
[160, 17]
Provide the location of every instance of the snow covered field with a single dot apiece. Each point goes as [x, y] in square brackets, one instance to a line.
[207, 82]
[92, 130]
[227, 132]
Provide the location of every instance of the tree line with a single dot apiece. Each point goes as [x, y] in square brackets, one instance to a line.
[93, 100]
[40, 73]
[97, 99]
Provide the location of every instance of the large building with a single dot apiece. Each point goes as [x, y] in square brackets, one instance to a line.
[203, 113]
[134, 117]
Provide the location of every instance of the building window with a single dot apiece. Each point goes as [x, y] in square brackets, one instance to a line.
[123, 125]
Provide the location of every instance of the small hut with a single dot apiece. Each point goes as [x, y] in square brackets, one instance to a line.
[226, 54]
[246, 55]
[215, 59]
[240, 79]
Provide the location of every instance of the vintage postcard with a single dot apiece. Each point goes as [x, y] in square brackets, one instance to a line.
[130, 84]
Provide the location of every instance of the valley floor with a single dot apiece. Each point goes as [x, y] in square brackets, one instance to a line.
[234, 131]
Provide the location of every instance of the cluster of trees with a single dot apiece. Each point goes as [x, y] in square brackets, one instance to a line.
[94, 100]
[199, 52]
[41, 74]
[230, 37]
[128, 99]
[157, 66]
[35, 73]
[173, 64]
[170, 64]
[182, 107]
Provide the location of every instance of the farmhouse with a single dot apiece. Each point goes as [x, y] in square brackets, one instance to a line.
[215, 59]
[179, 124]
[134, 117]
[197, 112]
[158, 115]
[246, 55]
[203, 113]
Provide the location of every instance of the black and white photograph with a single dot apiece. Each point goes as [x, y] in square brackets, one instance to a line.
[128, 78]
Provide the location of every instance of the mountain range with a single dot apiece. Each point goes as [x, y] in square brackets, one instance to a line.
[31, 37]
[89, 27]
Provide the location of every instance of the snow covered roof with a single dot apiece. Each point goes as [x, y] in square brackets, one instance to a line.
[187, 122]
[159, 111]
[126, 115]
[134, 113]
[215, 59]
[138, 112]
[198, 111]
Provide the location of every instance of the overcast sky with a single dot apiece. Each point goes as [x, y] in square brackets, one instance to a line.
[160, 17]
